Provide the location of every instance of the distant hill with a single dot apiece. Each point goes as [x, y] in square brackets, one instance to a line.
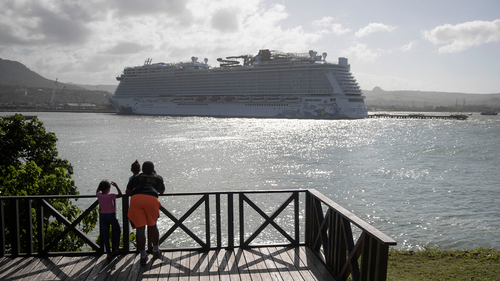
[108, 88]
[20, 85]
[379, 97]
[14, 73]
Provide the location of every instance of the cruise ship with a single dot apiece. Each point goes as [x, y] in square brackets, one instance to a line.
[270, 84]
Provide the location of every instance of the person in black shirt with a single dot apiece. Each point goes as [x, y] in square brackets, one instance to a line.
[144, 207]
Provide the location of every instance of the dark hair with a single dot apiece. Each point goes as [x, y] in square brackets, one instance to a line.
[136, 167]
[104, 185]
[148, 167]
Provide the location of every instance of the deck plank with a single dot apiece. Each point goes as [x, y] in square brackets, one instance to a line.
[185, 262]
[203, 266]
[314, 263]
[135, 267]
[24, 268]
[11, 266]
[213, 266]
[194, 262]
[154, 270]
[232, 266]
[48, 265]
[293, 264]
[240, 265]
[175, 268]
[83, 267]
[258, 270]
[122, 267]
[166, 264]
[97, 269]
[222, 265]
[294, 254]
[271, 265]
[254, 264]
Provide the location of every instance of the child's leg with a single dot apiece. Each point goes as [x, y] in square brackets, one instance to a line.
[105, 232]
[116, 234]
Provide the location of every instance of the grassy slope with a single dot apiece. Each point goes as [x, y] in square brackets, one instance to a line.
[436, 264]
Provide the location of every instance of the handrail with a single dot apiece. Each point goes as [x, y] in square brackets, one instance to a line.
[328, 234]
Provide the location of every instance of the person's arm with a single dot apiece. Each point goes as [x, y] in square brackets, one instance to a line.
[117, 189]
[162, 186]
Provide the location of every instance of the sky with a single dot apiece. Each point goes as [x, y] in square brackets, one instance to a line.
[425, 45]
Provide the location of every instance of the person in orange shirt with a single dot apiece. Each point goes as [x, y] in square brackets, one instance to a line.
[145, 207]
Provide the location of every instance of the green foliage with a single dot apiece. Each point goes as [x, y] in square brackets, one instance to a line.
[30, 165]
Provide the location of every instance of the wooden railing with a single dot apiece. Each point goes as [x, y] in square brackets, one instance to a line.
[317, 222]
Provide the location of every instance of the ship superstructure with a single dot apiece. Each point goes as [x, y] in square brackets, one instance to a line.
[270, 84]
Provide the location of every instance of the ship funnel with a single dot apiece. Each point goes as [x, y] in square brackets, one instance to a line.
[324, 56]
[205, 60]
[194, 59]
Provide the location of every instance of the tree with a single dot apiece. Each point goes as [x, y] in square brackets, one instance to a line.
[30, 165]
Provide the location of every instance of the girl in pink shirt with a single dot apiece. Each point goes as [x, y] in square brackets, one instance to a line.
[108, 215]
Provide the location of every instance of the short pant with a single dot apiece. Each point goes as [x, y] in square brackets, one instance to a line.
[144, 210]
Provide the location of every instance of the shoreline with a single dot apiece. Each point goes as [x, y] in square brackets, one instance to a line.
[58, 110]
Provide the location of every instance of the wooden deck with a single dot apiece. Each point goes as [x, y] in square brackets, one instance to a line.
[269, 263]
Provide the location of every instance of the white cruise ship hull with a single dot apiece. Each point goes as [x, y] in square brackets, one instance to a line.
[268, 85]
[320, 108]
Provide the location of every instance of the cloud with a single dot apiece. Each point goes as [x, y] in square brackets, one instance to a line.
[124, 48]
[361, 52]
[40, 23]
[335, 28]
[90, 41]
[373, 27]
[225, 20]
[464, 35]
[409, 46]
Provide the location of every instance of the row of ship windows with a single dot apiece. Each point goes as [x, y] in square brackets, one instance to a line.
[241, 72]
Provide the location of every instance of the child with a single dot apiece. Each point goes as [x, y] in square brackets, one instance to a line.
[135, 169]
[108, 215]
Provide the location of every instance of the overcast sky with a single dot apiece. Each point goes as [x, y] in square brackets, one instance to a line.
[438, 45]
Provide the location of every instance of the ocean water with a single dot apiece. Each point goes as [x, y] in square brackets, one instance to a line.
[421, 182]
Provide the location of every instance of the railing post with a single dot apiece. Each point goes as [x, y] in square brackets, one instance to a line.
[230, 221]
[207, 221]
[125, 224]
[242, 219]
[2, 233]
[29, 227]
[39, 226]
[308, 215]
[296, 215]
[14, 232]
[218, 219]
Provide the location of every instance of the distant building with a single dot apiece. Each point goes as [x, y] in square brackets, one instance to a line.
[82, 105]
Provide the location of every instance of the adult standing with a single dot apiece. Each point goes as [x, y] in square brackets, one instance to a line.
[145, 207]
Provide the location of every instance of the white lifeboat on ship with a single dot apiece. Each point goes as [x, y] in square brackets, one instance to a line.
[243, 99]
[176, 99]
[214, 98]
[291, 99]
[273, 99]
[201, 98]
[229, 98]
[258, 99]
[190, 99]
